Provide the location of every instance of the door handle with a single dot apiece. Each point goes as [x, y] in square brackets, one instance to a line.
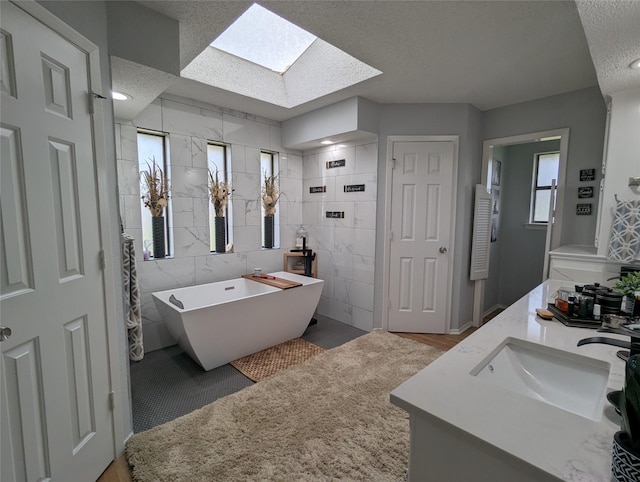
[5, 333]
[443, 249]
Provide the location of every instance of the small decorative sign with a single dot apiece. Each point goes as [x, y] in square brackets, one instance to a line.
[316, 189]
[354, 188]
[587, 175]
[335, 214]
[585, 192]
[338, 163]
[583, 209]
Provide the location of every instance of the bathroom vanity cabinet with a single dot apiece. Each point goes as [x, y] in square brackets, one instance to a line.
[464, 428]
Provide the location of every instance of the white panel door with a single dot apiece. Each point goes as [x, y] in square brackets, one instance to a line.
[420, 230]
[56, 423]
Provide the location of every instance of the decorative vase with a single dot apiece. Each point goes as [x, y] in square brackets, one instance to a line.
[221, 235]
[157, 230]
[268, 232]
[625, 463]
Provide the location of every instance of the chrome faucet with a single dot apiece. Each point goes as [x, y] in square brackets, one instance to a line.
[633, 345]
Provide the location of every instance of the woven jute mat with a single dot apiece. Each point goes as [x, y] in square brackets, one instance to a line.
[268, 362]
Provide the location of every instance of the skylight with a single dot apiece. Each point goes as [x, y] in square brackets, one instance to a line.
[264, 57]
[264, 38]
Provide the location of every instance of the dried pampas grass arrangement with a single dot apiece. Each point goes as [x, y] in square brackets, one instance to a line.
[219, 192]
[156, 185]
[270, 194]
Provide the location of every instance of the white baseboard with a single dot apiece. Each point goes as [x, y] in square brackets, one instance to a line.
[494, 308]
[462, 329]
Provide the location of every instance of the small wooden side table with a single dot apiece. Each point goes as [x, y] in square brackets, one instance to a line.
[292, 257]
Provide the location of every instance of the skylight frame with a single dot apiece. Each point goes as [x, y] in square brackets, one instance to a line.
[322, 69]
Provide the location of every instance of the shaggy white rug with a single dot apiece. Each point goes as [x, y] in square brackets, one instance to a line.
[326, 419]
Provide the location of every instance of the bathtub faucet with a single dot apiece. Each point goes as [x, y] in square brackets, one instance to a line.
[308, 256]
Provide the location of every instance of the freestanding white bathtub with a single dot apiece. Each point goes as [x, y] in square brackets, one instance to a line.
[227, 320]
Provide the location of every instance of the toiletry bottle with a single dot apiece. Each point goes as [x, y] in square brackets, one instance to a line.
[571, 306]
[596, 311]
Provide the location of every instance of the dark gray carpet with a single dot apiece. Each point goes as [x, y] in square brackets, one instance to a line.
[167, 384]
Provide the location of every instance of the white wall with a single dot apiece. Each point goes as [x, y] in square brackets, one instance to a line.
[190, 125]
[345, 247]
[622, 158]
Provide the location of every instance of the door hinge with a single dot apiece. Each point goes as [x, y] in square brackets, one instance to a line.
[390, 235]
[103, 262]
[393, 163]
[112, 400]
[92, 97]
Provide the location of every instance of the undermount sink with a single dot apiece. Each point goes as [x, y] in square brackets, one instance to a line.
[572, 382]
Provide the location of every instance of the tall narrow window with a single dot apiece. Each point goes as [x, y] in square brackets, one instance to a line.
[219, 163]
[269, 170]
[152, 148]
[545, 170]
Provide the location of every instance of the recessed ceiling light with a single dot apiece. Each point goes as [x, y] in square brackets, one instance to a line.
[635, 64]
[341, 145]
[120, 95]
[326, 142]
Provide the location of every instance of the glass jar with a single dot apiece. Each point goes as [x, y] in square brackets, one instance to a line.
[300, 234]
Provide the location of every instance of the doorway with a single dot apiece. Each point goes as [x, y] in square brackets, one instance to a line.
[519, 247]
[420, 222]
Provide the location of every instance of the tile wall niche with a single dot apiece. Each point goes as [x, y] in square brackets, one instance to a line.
[190, 125]
[345, 246]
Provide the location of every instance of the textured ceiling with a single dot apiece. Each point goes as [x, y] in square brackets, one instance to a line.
[486, 53]
[613, 35]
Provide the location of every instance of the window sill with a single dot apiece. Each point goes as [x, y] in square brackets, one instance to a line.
[536, 226]
[157, 259]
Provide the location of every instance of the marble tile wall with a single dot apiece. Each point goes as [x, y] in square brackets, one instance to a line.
[345, 247]
[190, 125]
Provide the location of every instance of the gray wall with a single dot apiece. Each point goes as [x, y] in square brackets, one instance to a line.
[584, 113]
[518, 251]
[464, 121]
[521, 264]
[154, 42]
[90, 19]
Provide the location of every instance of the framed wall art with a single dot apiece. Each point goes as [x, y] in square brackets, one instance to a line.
[585, 192]
[495, 172]
[587, 175]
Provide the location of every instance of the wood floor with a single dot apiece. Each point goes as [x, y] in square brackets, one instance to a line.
[442, 342]
[119, 470]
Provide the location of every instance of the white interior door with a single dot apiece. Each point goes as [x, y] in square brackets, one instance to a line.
[56, 421]
[421, 209]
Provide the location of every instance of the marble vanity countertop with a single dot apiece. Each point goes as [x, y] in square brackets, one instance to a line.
[558, 442]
